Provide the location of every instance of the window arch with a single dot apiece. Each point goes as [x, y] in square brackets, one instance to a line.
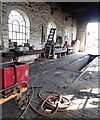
[18, 27]
[51, 25]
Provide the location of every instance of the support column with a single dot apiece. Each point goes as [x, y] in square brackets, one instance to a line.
[81, 34]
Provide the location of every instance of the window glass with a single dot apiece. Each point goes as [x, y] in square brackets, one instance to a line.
[10, 35]
[10, 27]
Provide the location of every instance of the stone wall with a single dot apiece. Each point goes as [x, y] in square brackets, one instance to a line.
[39, 14]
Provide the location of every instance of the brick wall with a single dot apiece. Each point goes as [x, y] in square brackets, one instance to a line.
[39, 14]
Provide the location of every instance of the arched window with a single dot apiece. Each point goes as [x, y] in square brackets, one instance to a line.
[51, 25]
[18, 27]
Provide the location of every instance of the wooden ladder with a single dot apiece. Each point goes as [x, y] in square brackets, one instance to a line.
[51, 35]
[51, 41]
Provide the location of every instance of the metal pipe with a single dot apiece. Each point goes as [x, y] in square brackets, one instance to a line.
[17, 84]
[5, 96]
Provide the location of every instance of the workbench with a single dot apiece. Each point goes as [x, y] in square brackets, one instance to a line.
[59, 51]
[7, 56]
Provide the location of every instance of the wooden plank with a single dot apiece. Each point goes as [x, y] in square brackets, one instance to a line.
[3, 100]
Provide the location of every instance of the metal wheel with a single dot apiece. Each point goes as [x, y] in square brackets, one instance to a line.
[23, 102]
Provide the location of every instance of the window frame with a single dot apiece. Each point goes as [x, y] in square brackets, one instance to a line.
[22, 29]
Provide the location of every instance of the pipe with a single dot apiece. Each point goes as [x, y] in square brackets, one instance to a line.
[15, 85]
[11, 93]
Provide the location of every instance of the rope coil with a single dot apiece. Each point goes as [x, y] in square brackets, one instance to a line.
[55, 99]
[51, 104]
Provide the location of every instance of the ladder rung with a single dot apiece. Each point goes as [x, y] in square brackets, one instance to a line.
[53, 28]
[51, 33]
[50, 39]
[50, 36]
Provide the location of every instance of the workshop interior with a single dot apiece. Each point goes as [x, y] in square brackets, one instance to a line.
[49, 64]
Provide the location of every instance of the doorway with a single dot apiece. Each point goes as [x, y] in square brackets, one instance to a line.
[91, 46]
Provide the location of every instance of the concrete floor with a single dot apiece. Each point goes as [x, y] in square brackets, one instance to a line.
[63, 76]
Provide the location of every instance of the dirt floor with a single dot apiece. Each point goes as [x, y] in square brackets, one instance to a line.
[66, 77]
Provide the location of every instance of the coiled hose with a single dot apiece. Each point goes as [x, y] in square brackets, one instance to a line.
[54, 102]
